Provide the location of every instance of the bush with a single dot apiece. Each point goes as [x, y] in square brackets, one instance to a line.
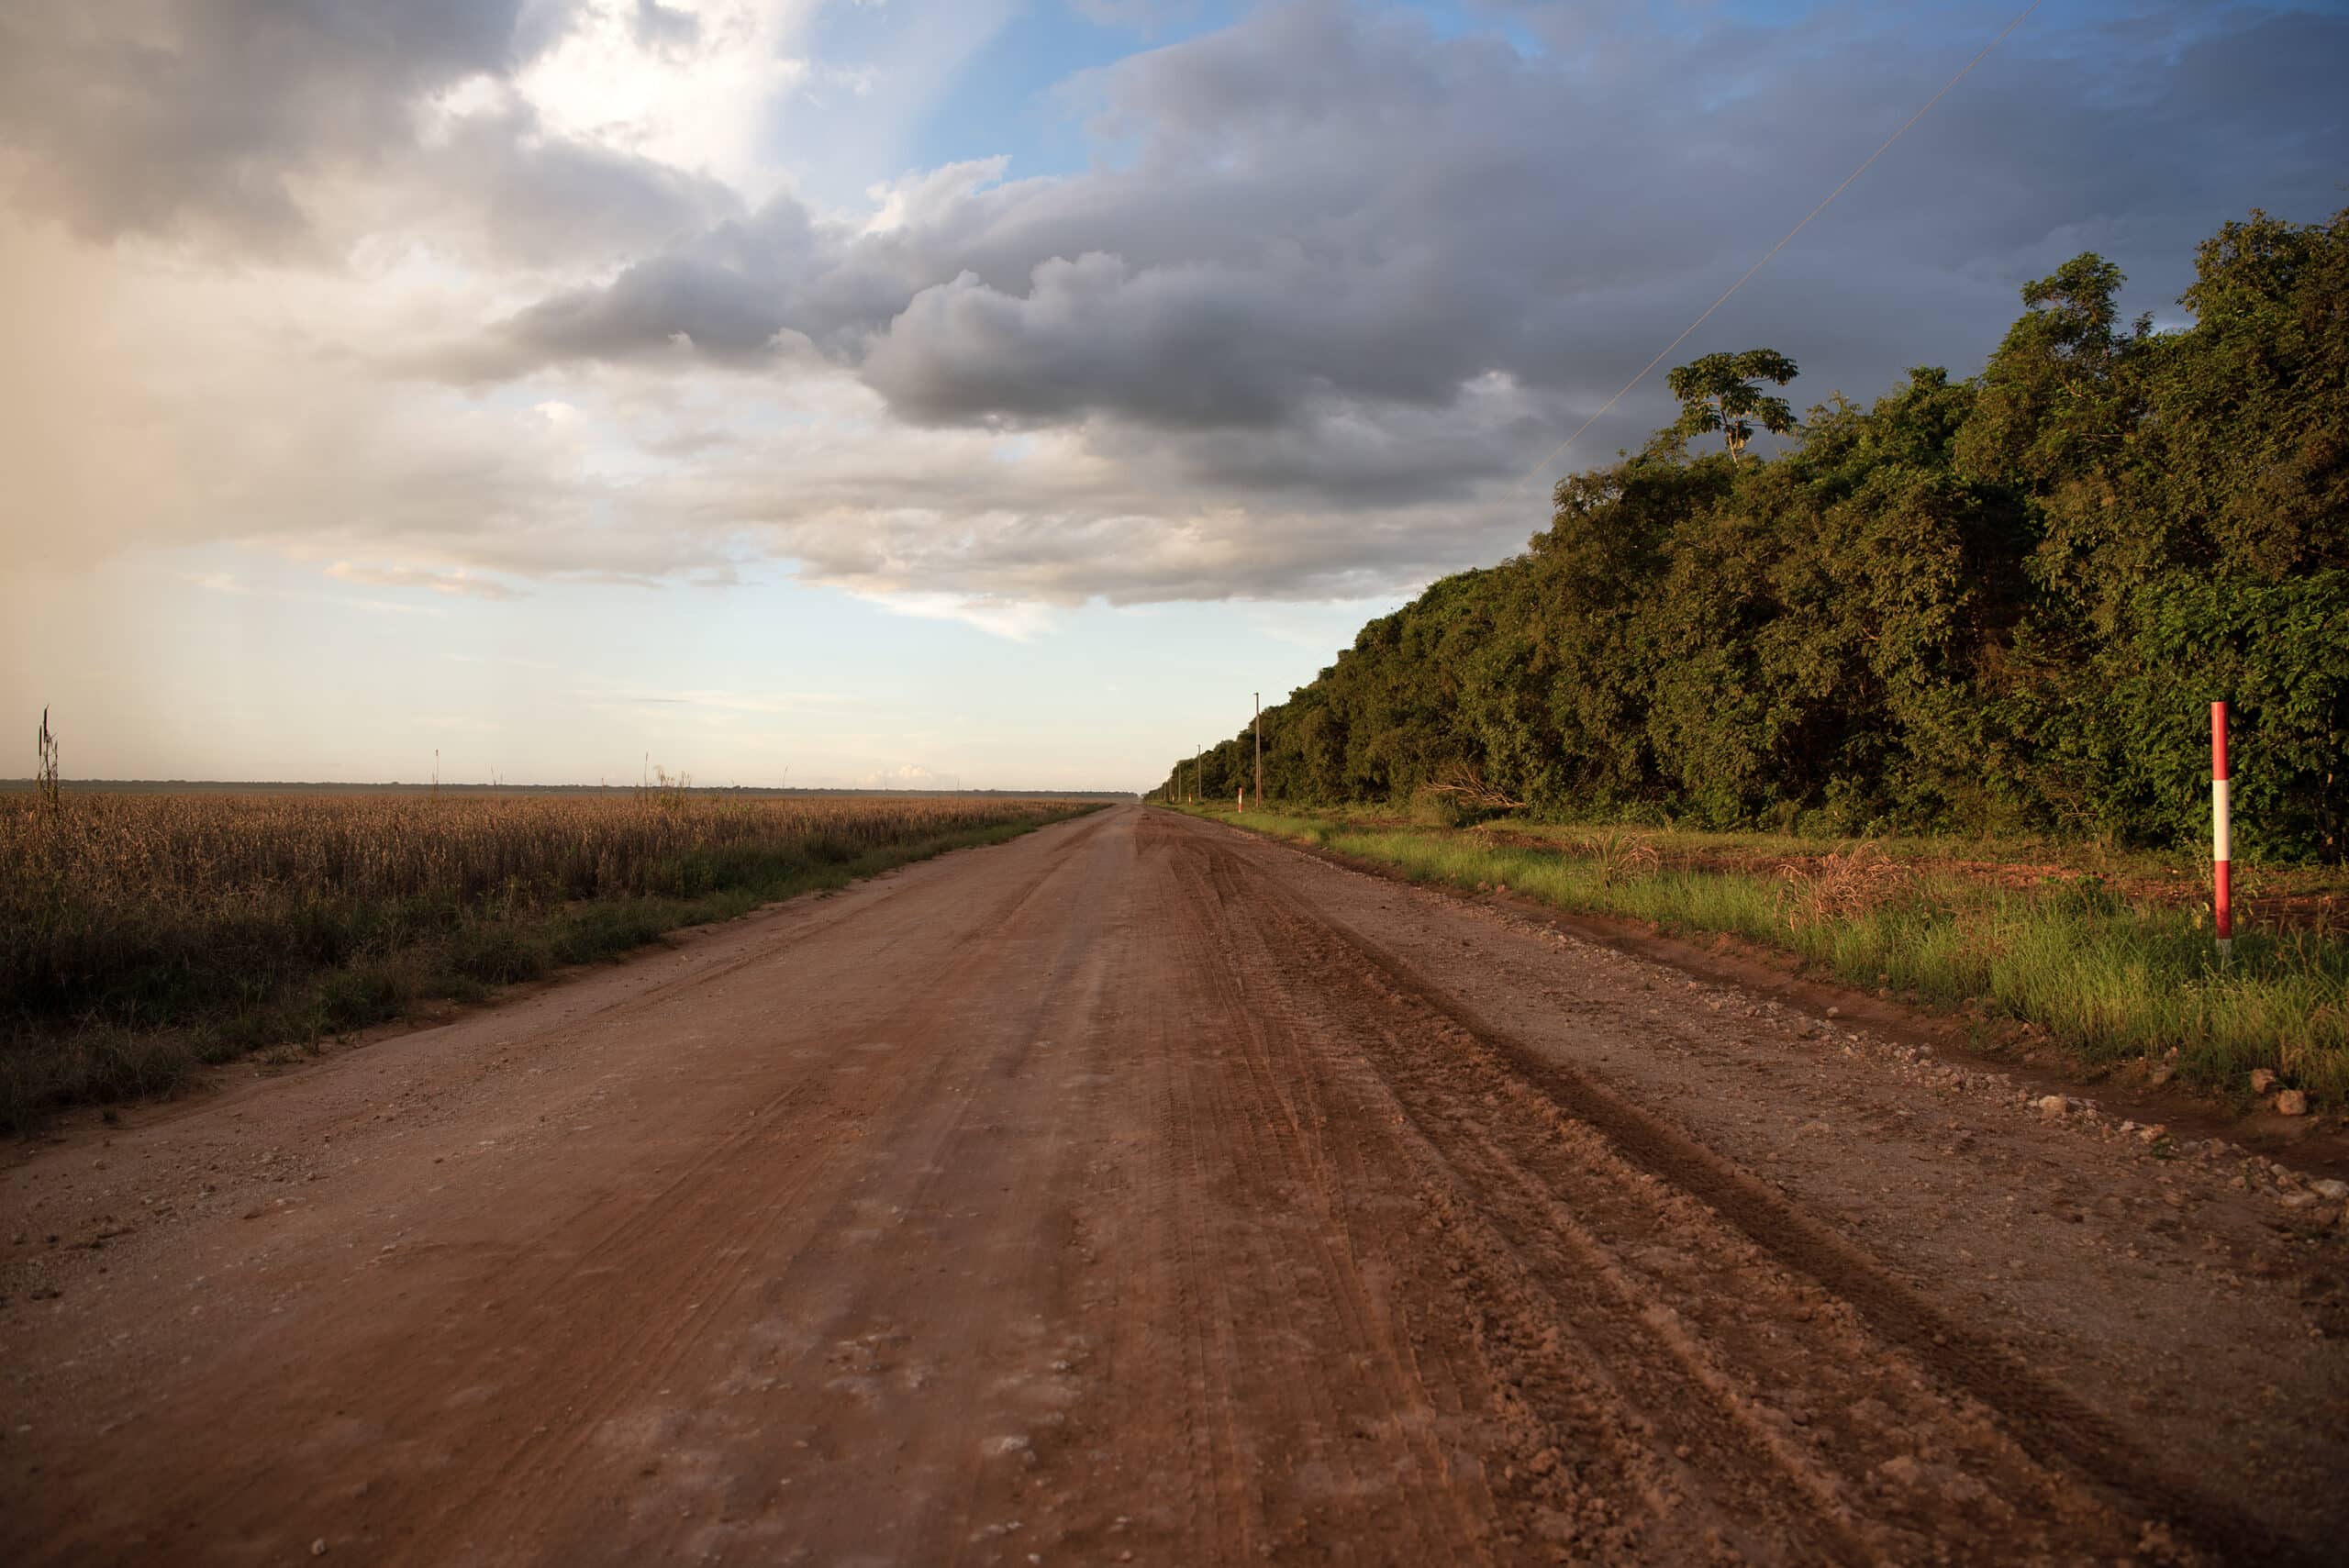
[2000, 605]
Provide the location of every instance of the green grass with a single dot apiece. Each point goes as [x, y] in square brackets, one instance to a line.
[356, 964]
[2110, 980]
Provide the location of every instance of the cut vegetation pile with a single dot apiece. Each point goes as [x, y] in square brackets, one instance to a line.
[2073, 957]
[141, 935]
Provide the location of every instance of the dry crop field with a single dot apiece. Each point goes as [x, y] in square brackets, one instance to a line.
[143, 934]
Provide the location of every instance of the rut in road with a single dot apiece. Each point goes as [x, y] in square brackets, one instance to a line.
[1114, 1194]
[1667, 1385]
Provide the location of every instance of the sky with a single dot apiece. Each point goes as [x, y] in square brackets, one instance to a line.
[986, 393]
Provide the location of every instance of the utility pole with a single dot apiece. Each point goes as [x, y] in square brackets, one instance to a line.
[1260, 751]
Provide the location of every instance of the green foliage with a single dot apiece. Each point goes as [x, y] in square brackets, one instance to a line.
[2110, 981]
[2000, 604]
[1718, 394]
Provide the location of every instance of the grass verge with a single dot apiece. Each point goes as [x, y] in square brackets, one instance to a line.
[2111, 981]
[390, 958]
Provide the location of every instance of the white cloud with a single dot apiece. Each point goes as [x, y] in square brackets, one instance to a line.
[555, 322]
[909, 776]
[701, 102]
[1022, 620]
[926, 196]
[456, 581]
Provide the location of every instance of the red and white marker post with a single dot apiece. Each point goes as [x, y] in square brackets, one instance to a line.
[2221, 903]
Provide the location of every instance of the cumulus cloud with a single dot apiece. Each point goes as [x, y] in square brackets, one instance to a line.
[303, 127]
[1330, 203]
[157, 116]
[660, 27]
[1333, 283]
[494, 186]
[909, 776]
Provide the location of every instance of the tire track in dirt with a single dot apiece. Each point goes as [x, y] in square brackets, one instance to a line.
[1109, 1196]
[530, 1485]
[1598, 1351]
[1323, 1275]
[1263, 1306]
[634, 1300]
[871, 910]
[2043, 1420]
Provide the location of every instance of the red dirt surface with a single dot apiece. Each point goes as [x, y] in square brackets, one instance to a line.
[1141, 1191]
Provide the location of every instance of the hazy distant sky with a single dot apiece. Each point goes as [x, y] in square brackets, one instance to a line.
[994, 389]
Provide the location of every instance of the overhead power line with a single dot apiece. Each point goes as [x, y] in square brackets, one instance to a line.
[1798, 228]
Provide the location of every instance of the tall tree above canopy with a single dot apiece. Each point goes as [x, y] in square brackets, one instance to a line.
[2056, 397]
[1720, 392]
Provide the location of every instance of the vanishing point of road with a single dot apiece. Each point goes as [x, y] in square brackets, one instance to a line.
[1141, 1191]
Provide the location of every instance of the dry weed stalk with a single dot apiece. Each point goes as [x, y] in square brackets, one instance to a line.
[1844, 886]
[1466, 785]
[45, 780]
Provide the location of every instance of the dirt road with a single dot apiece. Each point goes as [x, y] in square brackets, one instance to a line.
[1141, 1191]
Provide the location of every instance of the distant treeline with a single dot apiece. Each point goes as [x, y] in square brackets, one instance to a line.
[1993, 606]
[716, 792]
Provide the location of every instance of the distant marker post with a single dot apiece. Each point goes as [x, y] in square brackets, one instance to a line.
[2222, 849]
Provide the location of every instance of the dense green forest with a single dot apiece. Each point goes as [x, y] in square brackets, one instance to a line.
[1994, 605]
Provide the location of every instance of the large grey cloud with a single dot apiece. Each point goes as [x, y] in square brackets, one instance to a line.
[148, 115]
[1333, 283]
[1328, 207]
[530, 199]
[225, 119]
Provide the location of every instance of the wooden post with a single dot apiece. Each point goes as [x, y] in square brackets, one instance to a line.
[2221, 849]
[1260, 751]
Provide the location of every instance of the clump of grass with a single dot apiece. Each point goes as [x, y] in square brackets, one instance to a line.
[1840, 886]
[144, 936]
[1618, 856]
[2110, 980]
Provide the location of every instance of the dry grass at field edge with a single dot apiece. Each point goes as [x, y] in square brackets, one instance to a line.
[2065, 967]
[144, 936]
